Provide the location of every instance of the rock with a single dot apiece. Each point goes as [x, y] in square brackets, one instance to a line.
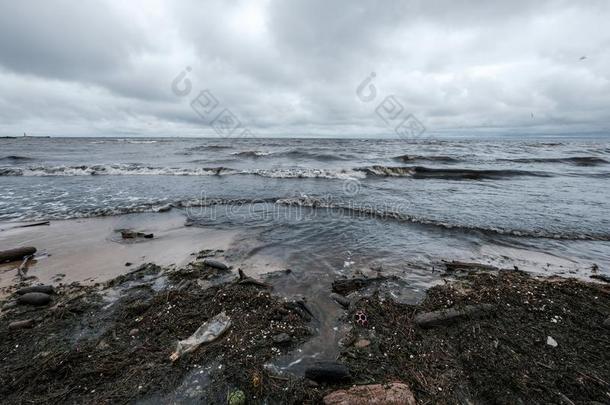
[34, 298]
[164, 208]
[551, 342]
[347, 286]
[607, 323]
[328, 372]
[281, 338]
[46, 289]
[127, 234]
[27, 323]
[391, 394]
[16, 254]
[362, 343]
[128, 264]
[145, 235]
[216, 264]
[447, 316]
[340, 299]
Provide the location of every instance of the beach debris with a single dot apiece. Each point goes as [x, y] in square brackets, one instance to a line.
[23, 268]
[551, 342]
[236, 397]
[215, 264]
[340, 299]
[34, 298]
[300, 307]
[207, 332]
[130, 234]
[19, 253]
[46, 289]
[395, 393]
[461, 266]
[446, 316]
[243, 279]
[281, 338]
[328, 371]
[347, 286]
[24, 324]
[32, 224]
[601, 277]
[361, 319]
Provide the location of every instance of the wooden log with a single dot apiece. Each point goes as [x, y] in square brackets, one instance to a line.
[455, 265]
[20, 253]
[450, 315]
[27, 323]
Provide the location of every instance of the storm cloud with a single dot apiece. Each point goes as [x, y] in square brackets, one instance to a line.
[292, 68]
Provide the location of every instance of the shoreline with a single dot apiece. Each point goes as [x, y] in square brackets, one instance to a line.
[80, 341]
[306, 335]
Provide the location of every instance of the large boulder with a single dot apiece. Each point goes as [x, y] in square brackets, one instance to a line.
[389, 394]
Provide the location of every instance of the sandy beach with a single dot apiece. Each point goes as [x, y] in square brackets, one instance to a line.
[91, 250]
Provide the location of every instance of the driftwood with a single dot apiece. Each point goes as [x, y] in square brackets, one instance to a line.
[449, 315]
[27, 323]
[601, 277]
[456, 266]
[349, 285]
[20, 253]
[340, 299]
[243, 279]
[23, 267]
[31, 224]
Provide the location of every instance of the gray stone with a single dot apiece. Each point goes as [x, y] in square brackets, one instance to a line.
[34, 298]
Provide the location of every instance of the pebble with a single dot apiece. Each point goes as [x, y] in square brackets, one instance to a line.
[362, 343]
[551, 342]
[281, 338]
[216, 264]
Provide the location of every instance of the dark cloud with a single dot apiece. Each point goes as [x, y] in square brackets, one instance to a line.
[292, 67]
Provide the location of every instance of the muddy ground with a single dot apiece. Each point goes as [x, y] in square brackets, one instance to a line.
[111, 343]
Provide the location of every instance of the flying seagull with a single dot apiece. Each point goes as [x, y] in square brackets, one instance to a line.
[583, 58]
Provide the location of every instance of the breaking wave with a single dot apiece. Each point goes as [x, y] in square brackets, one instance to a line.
[109, 170]
[15, 159]
[576, 160]
[421, 172]
[416, 158]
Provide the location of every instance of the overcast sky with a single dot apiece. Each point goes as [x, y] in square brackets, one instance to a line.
[292, 68]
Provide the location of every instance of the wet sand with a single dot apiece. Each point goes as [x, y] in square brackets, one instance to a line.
[91, 250]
